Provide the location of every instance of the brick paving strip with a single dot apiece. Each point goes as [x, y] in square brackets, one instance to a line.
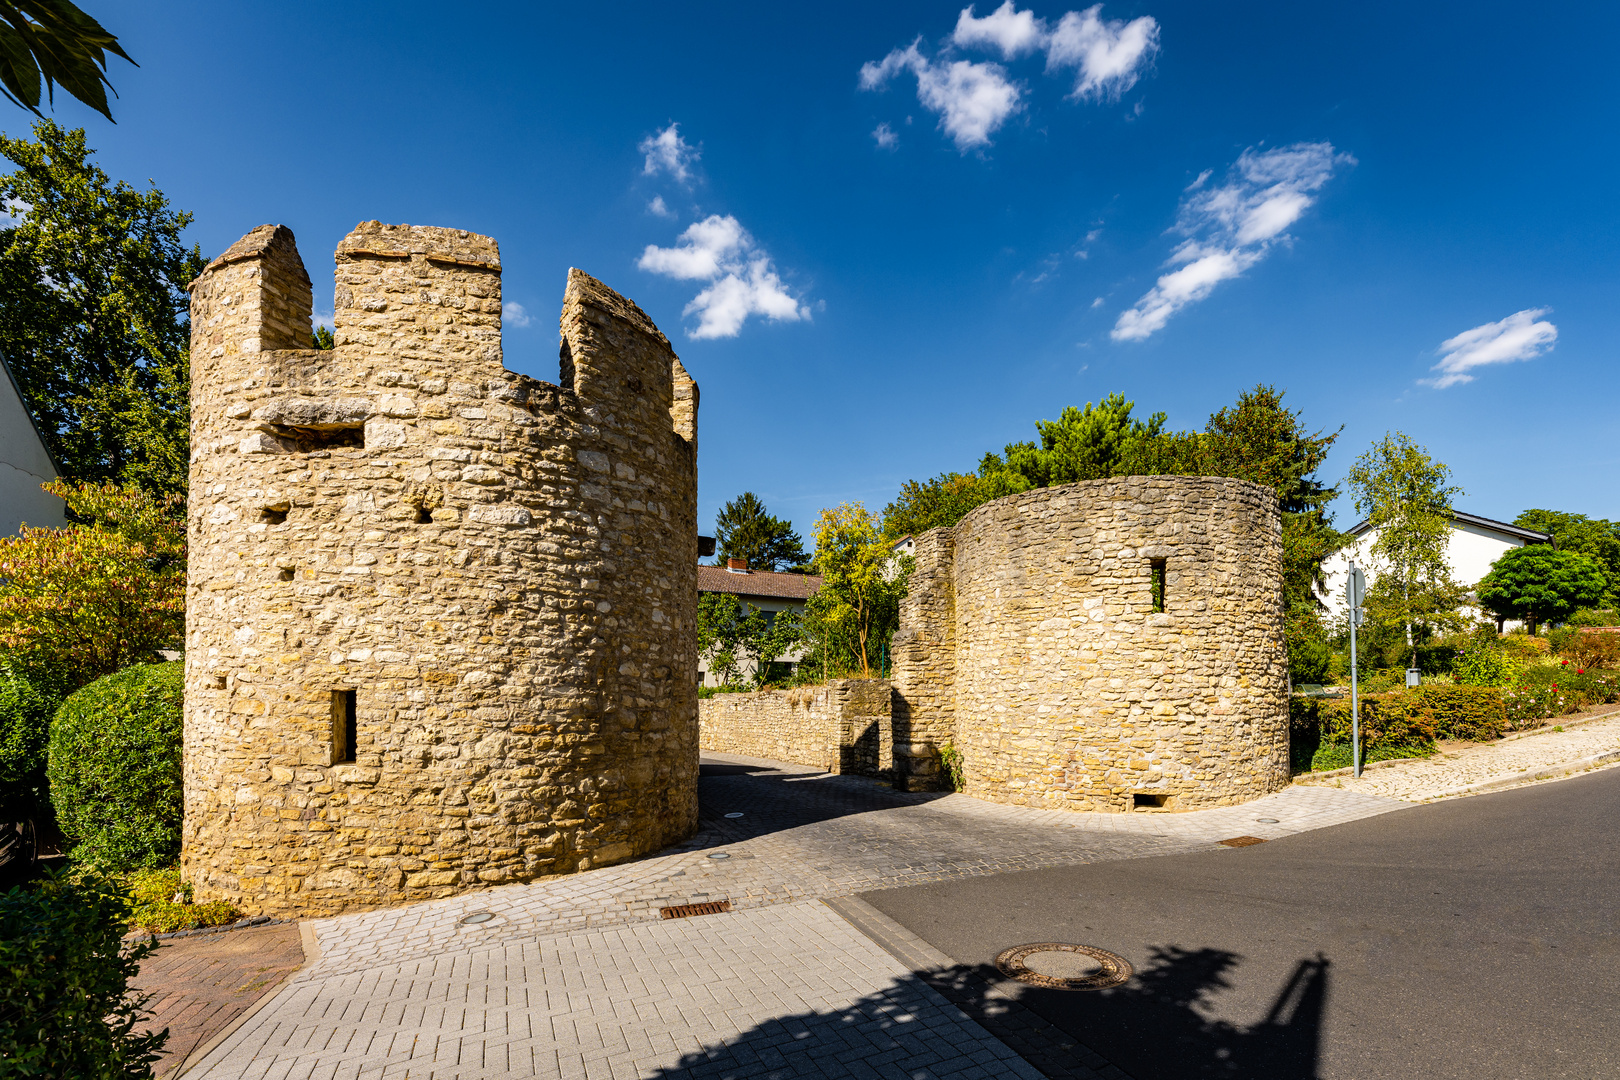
[1529, 757]
[581, 977]
[201, 985]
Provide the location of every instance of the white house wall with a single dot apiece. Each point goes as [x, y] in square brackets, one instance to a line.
[1470, 551]
[24, 465]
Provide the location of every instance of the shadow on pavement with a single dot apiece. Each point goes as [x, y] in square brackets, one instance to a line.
[773, 800]
[1155, 1026]
[1152, 1028]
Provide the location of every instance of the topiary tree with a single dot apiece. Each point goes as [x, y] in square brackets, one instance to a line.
[1538, 583]
[115, 767]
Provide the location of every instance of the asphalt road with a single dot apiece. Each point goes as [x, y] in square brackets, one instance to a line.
[1473, 938]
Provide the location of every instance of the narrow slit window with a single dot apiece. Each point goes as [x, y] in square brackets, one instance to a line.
[343, 726]
[1156, 571]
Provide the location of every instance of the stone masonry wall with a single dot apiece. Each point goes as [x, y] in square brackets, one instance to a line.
[497, 572]
[1069, 690]
[842, 726]
[924, 663]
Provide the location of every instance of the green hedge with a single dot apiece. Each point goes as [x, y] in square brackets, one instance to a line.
[115, 767]
[65, 1009]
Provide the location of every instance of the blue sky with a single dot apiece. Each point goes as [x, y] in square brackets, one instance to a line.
[916, 233]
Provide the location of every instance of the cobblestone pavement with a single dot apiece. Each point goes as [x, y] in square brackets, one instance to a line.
[414, 991]
[1466, 769]
[200, 984]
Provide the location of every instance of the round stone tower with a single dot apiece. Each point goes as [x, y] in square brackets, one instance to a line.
[441, 617]
[1109, 645]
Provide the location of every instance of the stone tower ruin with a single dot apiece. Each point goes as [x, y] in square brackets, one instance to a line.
[441, 617]
[1108, 645]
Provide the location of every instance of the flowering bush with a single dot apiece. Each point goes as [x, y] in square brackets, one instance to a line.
[1542, 691]
[99, 595]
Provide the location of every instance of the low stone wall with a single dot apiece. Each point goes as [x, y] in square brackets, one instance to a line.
[843, 726]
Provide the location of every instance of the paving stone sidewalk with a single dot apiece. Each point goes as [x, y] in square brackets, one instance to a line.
[580, 976]
[1462, 771]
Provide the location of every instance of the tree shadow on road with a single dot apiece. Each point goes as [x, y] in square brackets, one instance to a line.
[1159, 1024]
[1156, 1027]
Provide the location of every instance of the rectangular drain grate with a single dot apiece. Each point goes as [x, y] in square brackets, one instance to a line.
[1241, 841]
[683, 911]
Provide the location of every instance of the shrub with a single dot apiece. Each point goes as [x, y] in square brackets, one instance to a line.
[25, 723]
[1476, 713]
[1560, 639]
[65, 1006]
[163, 904]
[1595, 650]
[92, 598]
[1595, 617]
[950, 764]
[1482, 665]
[1392, 720]
[1542, 691]
[115, 767]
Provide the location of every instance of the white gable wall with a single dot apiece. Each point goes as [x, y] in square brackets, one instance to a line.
[1470, 550]
[24, 465]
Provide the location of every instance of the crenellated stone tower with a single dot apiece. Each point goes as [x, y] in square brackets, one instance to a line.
[441, 617]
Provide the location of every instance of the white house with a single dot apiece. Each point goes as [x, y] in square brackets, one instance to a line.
[766, 590]
[24, 465]
[1474, 544]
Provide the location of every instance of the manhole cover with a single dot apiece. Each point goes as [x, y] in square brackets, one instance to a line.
[735, 813]
[686, 911]
[1266, 820]
[1058, 965]
[478, 917]
[1241, 841]
[720, 855]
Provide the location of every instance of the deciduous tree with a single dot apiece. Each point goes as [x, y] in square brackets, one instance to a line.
[1595, 538]
[1406, 498]
[1538, 583]
[863, 581]
[53, 42]
[94, 313]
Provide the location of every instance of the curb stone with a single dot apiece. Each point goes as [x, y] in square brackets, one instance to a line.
[1549, 772]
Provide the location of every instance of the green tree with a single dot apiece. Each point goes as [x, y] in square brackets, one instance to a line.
[734, 635]
[744, 529]
[94, 312]
[1083, 444]
[946, 499]
[855, 611]
[54, 42]
[1406, 498]
[1538, 583]
[1593, 537]
[322, 338]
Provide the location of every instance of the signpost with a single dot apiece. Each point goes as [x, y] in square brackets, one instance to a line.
[1355, 592]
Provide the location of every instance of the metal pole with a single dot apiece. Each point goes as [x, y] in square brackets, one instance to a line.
[1355, 700]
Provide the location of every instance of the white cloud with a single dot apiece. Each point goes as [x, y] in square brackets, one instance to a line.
[1109, 55]
[742, 279]
[1012, 31]
[512, 313]
[668, 152]
[1523, 335]
[12, 212]
[1232, 227]
[972, 99]
[658, 209]
[327, 320]
[885, 136]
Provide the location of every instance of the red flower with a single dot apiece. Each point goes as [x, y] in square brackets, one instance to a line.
[1580, 671]
[1566, 663]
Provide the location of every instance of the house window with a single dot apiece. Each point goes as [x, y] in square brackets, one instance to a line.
[1156, 572]
[344, 734]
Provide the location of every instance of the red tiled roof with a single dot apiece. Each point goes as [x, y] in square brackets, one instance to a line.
[758, 583]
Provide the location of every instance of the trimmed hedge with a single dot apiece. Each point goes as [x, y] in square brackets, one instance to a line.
[25, 727]
[65, 1006]
[1400, 723]
[115, 767]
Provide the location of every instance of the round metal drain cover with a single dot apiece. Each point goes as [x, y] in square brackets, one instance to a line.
[1059, 965]
[720, 855]
[1266, 820]
[478, 917]
[735, 813]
